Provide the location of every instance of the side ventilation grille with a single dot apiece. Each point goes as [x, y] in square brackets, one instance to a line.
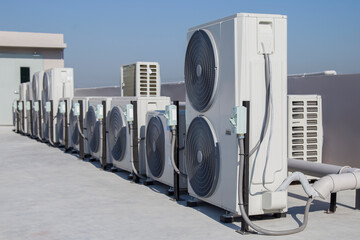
[305, 127]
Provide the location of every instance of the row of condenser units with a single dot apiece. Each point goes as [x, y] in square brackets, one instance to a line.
[236, 105]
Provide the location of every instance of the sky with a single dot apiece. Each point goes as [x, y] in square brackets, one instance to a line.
[103, 35]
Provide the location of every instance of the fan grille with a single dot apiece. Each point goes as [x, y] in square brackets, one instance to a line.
[117, 134]
[45, 130]
[202, 159]
[200, 71]
[74, 129]
[155, 151]
[35, 122]
[93, 130]
[46, 87]
[60, 126]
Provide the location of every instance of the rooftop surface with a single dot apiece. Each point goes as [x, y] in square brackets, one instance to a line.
[47, 194]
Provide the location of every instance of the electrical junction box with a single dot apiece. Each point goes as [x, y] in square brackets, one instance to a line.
[76, 109]
[238, 120]
[170, 115]
[129, 113]
[62, 107]
[48, 106]
[20, 107]
[28, 106]
[99, 112]
[36, 106]
[274, 200]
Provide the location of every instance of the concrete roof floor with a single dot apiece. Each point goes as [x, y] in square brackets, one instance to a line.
[47, 194]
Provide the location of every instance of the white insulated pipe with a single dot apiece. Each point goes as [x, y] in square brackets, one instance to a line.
[317, 169]
[337, 182]
[333, 178]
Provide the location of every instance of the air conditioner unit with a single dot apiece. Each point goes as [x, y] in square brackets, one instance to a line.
[37, 84]
[115, 122]
[74, 121]
[58, 83]
[62, 123]
[22, 108]
[158, 148]
[140, 79]
[225, 66]
[94, 127]
[305, 131]
[14, 114]
[28, 106]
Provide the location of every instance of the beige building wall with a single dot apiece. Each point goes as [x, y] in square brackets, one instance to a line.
[38, 51]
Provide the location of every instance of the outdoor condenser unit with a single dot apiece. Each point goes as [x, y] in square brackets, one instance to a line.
[58, 83]
[140, 79]
[224, 67]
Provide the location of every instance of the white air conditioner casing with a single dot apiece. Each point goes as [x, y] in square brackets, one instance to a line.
[58, 83]
[158, 148]
[61, 117]
[224, 67]
[28, 107]
[37, 85]
[14, 113]
[74, 136]
[94, 126]
[22, 113]
[305, 130]
[143, 105]
[140, 79]
[118, 134]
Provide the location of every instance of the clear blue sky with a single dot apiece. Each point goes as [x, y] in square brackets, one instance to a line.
[102, 35]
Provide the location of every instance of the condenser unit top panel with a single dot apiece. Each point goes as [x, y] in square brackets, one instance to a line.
[237, 15]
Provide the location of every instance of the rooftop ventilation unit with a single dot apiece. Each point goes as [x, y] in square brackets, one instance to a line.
[58, 83]
[117, 121]
[95, 118]
[305, 131]
[141, 79]
[225, 67]
[158, 148]
[74, 124]
[37, 85]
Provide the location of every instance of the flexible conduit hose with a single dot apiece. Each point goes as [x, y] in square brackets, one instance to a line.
[267, 106]
[132, 152]
[173, 139]
[79, 130]
[242, 209]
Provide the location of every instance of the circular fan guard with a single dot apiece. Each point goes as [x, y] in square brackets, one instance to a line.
[60, 126]
[34, 85]
[155, 149]
[200, 70]
[46, 87]
[117, 134]
[202, 159]
[74, 128]
[93, 130]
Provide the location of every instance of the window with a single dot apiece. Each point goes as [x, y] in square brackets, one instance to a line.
[24, 74]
